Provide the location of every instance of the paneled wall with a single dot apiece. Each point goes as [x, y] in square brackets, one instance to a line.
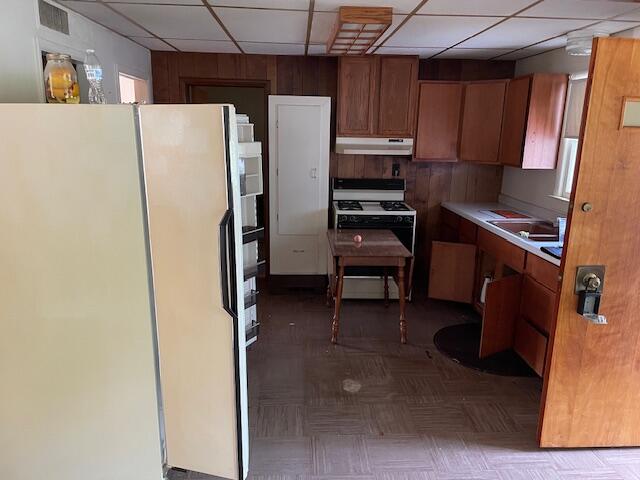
[428, 184]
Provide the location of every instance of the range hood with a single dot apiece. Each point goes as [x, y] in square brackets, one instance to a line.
[374, 146]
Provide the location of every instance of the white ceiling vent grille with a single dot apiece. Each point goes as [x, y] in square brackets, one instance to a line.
[53, 17]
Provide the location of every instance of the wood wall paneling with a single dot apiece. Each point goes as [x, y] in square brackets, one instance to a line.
[427, 185]
[466, 70]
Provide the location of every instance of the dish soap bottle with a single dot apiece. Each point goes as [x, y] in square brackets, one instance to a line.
[93, 70]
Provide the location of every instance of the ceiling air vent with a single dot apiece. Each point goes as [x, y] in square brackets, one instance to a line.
[357, 28]
[53, 17]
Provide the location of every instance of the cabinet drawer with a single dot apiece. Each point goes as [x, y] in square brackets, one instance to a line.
[544, 272]
[531, 345]
[501, 250]
[538, 304]
[468, 231]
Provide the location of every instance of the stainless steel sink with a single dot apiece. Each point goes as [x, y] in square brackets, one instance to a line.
[533, 230]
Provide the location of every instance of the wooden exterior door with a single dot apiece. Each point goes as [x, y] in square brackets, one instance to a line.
[357, 95]
[398, 82]
[591, 395]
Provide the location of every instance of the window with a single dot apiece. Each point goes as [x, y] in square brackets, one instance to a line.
[570, 132]
[132, 89]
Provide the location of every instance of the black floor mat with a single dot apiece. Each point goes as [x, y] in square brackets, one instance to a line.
[461, 343]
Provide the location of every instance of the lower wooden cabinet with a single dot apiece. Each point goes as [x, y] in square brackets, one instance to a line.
[501, 249]
[531, 345]
[518, 309]
[537, 304]
[501, 306]
[451, 274]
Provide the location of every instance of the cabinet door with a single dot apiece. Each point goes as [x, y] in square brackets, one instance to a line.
[502, 304]
[544, 121]
[398, 83]
[538, 304]
[531, 345]
[482, 121]
[357, 95]
[451, 275]
[514, 126]
[439, 109]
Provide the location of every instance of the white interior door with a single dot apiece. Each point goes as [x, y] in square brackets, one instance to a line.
[77, 363]
[299, 183]
[191, 184]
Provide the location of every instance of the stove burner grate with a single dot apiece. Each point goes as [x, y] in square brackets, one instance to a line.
[349, 205]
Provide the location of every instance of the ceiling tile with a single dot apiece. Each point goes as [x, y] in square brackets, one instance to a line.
[172, 2]
[633, 15]
[422, 52]
[395, 23]
[287, 4]
[317, 49]
[614, 27]
[399, 6]
[322, 26]
[473, 53]
[152, 43]
[105, 16]
[273, 48]
[211, 46]
[542, 47]
[422, 31]
[254, 25]
[596, 9]
[474, 7]
[170, 21]
[520, 32]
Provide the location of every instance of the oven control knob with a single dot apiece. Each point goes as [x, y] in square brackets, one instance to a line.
[342, 218]
[353, 218]
[398, 219]
[407, 219]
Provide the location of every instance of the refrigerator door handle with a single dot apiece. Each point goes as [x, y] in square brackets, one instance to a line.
[228, 264]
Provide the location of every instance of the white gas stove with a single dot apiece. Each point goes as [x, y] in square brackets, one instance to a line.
[372, 204]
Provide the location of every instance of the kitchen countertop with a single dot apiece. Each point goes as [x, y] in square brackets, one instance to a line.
[480, 214]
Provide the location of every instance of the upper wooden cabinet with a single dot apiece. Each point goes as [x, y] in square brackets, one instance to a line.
[438, 125]
[376, 95]
[398, 84]
[482, 121]
[357, 95]
[532, 123]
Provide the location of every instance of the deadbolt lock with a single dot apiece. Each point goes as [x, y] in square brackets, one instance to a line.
[588, 287]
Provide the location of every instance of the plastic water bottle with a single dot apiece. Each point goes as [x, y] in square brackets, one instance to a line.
[93, 70]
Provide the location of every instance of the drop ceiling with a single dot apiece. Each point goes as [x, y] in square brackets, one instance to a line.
[473, 29]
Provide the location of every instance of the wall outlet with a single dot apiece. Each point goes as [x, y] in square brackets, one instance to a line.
[395, 170]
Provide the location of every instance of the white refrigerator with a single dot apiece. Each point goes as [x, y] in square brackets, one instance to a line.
[122, 347]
